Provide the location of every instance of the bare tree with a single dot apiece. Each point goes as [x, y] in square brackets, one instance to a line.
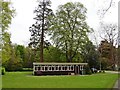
[105, 8]
[110, 33]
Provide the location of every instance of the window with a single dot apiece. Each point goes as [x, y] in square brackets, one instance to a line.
[65, 68]
[38, 68]
[52, 68]
[59, 68]
[46, 68]
[56, 68]
[35, 68]
[71, 67]
[42, 68]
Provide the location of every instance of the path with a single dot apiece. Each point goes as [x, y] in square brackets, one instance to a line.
[117, 84]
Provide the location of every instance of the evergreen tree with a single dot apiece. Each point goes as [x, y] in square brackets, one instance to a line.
[39, 29]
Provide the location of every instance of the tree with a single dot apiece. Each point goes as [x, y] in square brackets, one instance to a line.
[53, 54]
[29, 57]
[21, 49]
[105, 51]
[105, 7]
[6, 16]
[15, 62]
[90, 55]
[118, 57]
[69, 29]
[110, 34]
[39, 29]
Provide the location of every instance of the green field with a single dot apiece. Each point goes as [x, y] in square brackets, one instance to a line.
[27, 80]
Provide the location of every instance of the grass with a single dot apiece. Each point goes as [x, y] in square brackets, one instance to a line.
[26, 80]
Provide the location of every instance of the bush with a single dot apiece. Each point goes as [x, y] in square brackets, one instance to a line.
[3, 71]
[118, 69]
[87, 70]
[12, 65]
[103, 71]
[27, 69]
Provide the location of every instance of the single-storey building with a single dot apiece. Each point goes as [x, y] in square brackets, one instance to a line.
[58, 68]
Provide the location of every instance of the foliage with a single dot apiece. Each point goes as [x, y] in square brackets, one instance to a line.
[90, 55]
[6, 16]
[68, 29]
[20, 57]
[3, 71]
[29, 57]
[108, 54]
[110, 37]
[53, 54]
[39, 29]
[14, 63]
[21, 50]
[87, 70]
[27, 69]
[6, 47]
[26, 55]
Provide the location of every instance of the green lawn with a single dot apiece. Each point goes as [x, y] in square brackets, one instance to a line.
[26, 80]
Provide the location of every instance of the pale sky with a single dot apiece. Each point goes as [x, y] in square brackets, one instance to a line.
[19, 28]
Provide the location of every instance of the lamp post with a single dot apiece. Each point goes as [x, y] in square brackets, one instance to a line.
[100, 57]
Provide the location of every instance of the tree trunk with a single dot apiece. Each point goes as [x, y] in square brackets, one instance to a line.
[41, 47]
[42, 35]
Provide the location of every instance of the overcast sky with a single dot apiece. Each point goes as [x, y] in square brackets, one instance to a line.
[19, 28]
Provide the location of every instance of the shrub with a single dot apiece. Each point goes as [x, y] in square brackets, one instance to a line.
[12, 65]
[103, 71]
[27, 69]
[118, 69]
[87, 70]
[3, 71]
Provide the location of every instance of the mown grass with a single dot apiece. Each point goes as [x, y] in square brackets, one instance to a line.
[26, 80]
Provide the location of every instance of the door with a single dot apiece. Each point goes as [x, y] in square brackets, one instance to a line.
[77, 69]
